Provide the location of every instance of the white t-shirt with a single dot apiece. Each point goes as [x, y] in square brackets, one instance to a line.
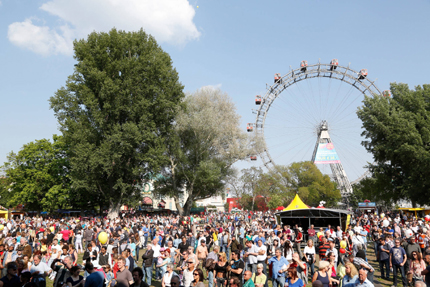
[261, 257]
[78, 237]
[42, 267]
[252, 259]
[156, 249]
[310, 251]
[166, 278]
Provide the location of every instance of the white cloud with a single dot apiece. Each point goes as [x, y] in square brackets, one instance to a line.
[169, 21]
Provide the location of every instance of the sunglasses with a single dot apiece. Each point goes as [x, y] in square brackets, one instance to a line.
[196, 274]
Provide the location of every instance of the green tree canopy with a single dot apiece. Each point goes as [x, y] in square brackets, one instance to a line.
[206, 141]
[115, 112]
[305, 179]
[397, 132]
[37, 176]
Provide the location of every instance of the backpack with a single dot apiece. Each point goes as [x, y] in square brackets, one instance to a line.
[209, 264]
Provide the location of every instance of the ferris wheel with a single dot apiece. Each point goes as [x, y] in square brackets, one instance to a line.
[310, 113]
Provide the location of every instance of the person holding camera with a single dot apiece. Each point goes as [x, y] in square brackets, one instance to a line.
[62, 267]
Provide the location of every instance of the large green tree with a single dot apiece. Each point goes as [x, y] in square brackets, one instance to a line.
[206, 141]
[37, 176]
[115, 111]
[305, 179]
[397, 132]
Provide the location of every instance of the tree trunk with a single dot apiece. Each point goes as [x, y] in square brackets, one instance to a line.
[178, 205]
[187, 206]
[114, 209]
[253, 201]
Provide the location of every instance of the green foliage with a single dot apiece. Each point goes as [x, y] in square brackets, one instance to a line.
[205, 143]
[37, 176]
[279, 186]
[115, 112]
[397, 132]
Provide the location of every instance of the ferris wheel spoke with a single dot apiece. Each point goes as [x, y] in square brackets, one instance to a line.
[300, 110]
[342, 100]
[300, 103]
[342, 111]
[304, 96]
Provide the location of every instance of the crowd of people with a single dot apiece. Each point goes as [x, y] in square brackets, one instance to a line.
[216, 249]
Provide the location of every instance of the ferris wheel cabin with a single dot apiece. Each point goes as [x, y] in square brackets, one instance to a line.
[278, 78]
[333, 64]
[250, 127]
[362, 74]
[258, 100]
[303, 66]
[386, 93]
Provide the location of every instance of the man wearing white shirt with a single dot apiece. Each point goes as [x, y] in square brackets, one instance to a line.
[262, 255]
[339, 233]
[251, 254]
[156, 247]
[332, 250]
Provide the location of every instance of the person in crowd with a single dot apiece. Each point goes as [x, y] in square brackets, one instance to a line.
[237, 266]
[137, 274]
[397, 262]
[279, 267]
[148, 257]
[310, 256]
[360, 263]
[75, 279]
[198, 278]
[416, 267]
[221, 270]
[210, 264]
[383, 256]
[259, 278]
[321, 274]
[123, 275]
[39, 271]
[293, 279]
[351, 273]
[167, 277]
[247, 278]
[11, 278]
[361, 280]
[188, 275]
[62, 269]
[95, 278]
[202, 253]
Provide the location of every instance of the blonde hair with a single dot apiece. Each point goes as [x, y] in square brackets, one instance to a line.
[222, 256]
[310, 240]
[352, 267]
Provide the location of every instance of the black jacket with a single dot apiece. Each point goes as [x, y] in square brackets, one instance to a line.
[147, 257]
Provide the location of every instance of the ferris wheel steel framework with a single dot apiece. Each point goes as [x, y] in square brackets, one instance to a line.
[337, 72]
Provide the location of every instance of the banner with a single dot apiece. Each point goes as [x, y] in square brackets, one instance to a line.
[326, 154]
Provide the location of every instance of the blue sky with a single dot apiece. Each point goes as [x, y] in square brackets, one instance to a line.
[236, 45]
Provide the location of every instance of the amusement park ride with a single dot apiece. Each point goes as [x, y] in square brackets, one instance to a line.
[324, 152]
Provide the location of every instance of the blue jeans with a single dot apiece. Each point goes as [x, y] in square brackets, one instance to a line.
[224, 248]
[402, 272]
[385, 263]
[311, 266]
[137, 253]
[210, 279]
[157, 269]
[279, 282]
[148, 274]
